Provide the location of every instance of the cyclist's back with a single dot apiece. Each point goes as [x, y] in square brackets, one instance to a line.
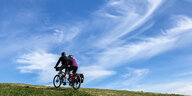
[63, 59]
[73, 63]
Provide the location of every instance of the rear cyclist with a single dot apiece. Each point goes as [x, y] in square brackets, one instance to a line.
[73, 66]
[72, 62]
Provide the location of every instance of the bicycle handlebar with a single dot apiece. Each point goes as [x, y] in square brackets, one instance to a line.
[58, 68]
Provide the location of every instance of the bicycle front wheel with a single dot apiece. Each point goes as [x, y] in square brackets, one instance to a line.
[57, 81]
[77, 82]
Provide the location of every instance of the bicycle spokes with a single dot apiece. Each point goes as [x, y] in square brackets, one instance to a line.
[57, 81]
[77, 82]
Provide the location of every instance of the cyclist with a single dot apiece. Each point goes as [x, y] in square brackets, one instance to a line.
[72, 62]
[63, 59]
[73, 65]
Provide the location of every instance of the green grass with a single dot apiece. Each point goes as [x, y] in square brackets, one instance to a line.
[12, 89]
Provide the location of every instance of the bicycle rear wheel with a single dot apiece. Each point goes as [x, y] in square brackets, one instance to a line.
[77, 82]
[57, 81]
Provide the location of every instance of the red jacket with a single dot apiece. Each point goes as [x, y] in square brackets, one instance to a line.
[72, 62]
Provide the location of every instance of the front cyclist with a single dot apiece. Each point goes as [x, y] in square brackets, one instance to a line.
[63, 59]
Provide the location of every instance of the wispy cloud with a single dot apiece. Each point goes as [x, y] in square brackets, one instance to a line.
[183, 74]
[129, 79]
[95, 72]
[64, 34]
[129, 16]
[149, 46]
[41, 63]
[176, 86]
[176, 37]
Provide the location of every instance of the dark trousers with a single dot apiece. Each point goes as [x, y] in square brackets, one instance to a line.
[74, 69]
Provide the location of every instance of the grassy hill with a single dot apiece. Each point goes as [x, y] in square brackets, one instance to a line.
[11, 89]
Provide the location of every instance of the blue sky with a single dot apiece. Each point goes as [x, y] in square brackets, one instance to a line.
[118, 44]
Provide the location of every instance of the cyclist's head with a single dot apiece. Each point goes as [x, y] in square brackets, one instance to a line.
[70, 56]
[63, 54]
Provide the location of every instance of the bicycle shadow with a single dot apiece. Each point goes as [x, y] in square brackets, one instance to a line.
[58, 89]
[50, 88]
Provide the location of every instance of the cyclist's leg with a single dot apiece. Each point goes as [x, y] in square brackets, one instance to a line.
[71, 75]
[74, 74]
[62, 67]
[60, 70]
[66, 73]
[75, 70]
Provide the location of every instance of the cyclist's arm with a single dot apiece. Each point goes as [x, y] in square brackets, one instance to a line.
[70, 62]
[58, 62]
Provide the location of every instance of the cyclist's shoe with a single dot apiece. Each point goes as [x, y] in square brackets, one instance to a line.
[64, 83]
